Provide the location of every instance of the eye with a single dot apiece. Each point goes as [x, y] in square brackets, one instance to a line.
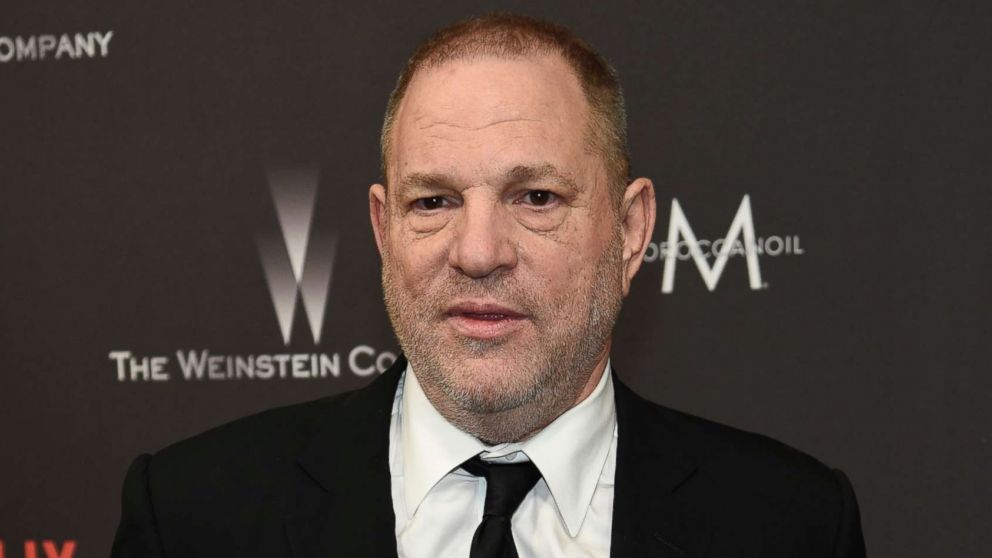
[430, 204]
[539, 198]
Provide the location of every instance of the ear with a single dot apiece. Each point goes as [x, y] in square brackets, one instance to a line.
[378, 213]
[638, 212]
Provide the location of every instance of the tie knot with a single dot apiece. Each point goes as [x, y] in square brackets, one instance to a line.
[507, 484]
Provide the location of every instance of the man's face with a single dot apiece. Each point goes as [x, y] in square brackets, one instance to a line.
[503, 259]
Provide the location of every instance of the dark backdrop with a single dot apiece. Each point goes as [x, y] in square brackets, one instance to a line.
[143, 186]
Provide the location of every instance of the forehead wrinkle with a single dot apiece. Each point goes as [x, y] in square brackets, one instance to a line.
[473, 128]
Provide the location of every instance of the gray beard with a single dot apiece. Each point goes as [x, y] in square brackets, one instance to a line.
[553, 378]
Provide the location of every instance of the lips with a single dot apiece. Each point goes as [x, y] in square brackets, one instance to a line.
[483, 320]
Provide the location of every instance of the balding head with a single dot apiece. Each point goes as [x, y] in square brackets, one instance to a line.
[506, 36]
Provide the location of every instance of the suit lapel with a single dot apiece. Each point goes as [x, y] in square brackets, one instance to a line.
[340, 501]
[649, 518]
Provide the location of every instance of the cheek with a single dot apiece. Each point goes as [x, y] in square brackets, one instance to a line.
[569, 268]
[417, 263]
[554, 270]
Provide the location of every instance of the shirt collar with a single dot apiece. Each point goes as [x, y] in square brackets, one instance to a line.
[432, 446]
[570, 452]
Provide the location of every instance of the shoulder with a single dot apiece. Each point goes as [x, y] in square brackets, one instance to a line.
[765, 462]
[204, 485]
[224, 485]
[235, 465]
[265, 436]
[763, 497]
[734, 464]
[252, 454]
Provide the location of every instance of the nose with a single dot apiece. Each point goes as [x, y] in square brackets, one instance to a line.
[482, 244]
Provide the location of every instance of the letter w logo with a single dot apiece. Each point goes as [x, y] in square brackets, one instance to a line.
[742, 225]
[298, 262]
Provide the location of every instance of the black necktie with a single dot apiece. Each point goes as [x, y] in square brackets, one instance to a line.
[506, 486]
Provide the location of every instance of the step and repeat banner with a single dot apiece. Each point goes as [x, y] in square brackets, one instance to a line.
[184, 235]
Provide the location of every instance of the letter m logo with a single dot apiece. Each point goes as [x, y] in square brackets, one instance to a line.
[742, 226]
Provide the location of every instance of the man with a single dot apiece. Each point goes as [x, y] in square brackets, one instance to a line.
[509, 234]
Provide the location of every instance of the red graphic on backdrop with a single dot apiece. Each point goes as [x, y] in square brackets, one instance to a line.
[46, 549]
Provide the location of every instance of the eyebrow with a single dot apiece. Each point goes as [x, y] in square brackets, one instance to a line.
[424, 180]
[520, 174]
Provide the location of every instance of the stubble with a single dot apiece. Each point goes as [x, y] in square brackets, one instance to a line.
[507, 388]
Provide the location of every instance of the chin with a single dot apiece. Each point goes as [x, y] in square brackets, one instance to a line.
[491, 385]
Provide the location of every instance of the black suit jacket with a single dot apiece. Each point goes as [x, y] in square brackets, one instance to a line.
[312, 481]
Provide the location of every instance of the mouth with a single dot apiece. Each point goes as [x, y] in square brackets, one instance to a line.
[484, 320]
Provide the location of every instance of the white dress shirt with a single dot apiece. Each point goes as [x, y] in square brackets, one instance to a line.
[438, 505]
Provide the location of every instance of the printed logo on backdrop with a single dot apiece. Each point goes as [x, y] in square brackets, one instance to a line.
[297, 260]
[683, 245]
[39, 549]
[67, 46]
[297, 264]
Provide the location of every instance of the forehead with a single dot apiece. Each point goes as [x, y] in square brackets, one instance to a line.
[469, 114]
